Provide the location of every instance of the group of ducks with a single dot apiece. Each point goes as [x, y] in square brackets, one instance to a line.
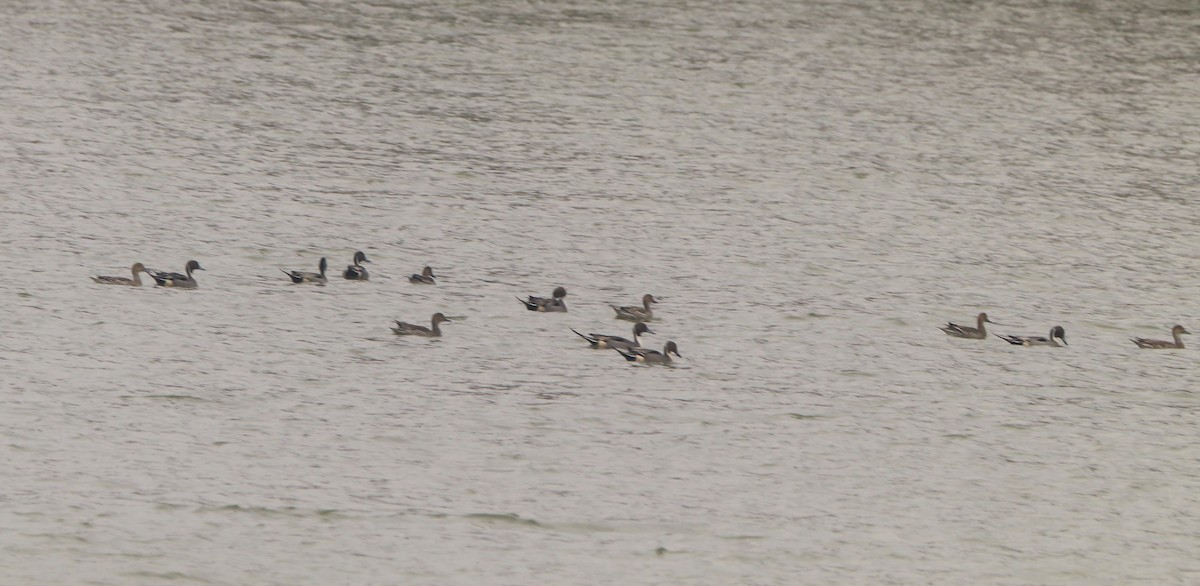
[1057, 334]
[631, 350]
[186, 280]
[354, 272]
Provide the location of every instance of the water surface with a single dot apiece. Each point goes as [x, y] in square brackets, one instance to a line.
[812, 188]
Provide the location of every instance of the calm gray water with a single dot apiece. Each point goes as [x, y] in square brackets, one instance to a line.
[811, 187]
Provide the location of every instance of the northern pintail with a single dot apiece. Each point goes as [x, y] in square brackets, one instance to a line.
[303, 277]
[603, 341]
[1176, 332]
[177, 280]
[635, 313]
[406, 329]
[553, 303]
[1056, 333]
[650, 356]
[355, 271]
[425, 278]
[136, 281]
[976, 333]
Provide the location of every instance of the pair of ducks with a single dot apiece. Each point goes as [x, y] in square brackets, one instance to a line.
[1057, 333]
[354, 272]
[632, 350]
[183, 280]
[555, 303]
[978, 332]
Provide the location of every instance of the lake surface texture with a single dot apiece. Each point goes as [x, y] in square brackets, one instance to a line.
[811, 188]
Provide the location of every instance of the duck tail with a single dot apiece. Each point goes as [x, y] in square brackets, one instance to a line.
[583, 336]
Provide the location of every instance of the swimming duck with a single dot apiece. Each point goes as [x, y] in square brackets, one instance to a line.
[976, 333]
[553, 303]
[1176, 332]
[425, 278]
[635, 313]
[650, 356]
[603, 341]
[355, 271]
[303, 277]
[136, 281]
[1056, 333]
[177, 280]
[406, 329]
